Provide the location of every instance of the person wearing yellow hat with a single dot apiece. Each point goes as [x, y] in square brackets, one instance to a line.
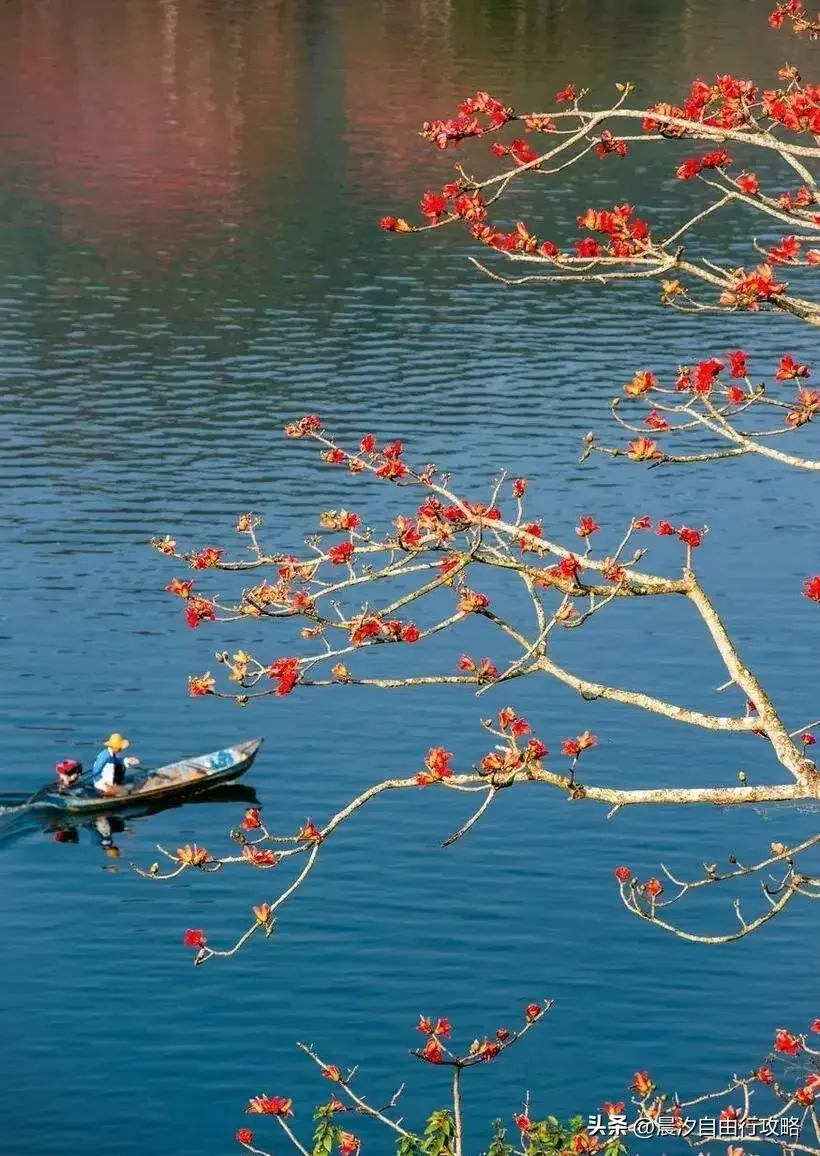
[110, 765]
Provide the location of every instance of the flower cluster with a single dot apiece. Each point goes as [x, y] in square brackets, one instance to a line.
[703, 380]
[628, 235]
[726, 102]
[443, 133]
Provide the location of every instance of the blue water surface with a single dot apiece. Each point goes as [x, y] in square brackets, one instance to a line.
[189, 193]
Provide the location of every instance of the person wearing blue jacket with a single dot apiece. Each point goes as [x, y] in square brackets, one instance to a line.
[110, 765]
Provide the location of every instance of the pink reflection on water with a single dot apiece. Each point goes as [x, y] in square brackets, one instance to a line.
[136, 116]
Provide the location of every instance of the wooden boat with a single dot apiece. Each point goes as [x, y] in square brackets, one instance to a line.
[141, 787]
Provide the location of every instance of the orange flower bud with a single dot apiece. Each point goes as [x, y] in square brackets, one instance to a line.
[263, 913]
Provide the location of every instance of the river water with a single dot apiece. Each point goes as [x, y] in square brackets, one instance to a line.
[189, 198]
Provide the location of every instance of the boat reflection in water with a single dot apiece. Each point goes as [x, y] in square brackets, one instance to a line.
[106, 830]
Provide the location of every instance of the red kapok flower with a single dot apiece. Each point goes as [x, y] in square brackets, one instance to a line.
[194, 937]
[263, 913]
[536, 749]
[433, 1051]
[522, 153]
[437, 762]
[588, 247]
[392, 469]
[611, 1109]
[260, 856]
[200, 685]
[285, 673]
[165, 545]
[748, 183]
[788, 250]
[341, 553]
[610, 144]
[808, 740]
[307, 425]
[748, 290]
[244, 1136]
[486, 671]
[642, 1084]
[573, 747]
[641, 383]
[789, 369]
[623, 874]
[765, 1075]
[180, 586]
[705, 374]
[786, 1042]
[199, 610]
[519, 487]
[587, 526]
[522, 1121]
[348, 1144]
[811, 588]
[737, 362]
[207, 558]
[567, 94]
[665, 529]
[471, 601]
[251, 820]
[656, 420]
[532, 1011]
[692, 538]
[487, 1049]
[653, 888]
[270, 1106]
[433, 205]
[643, 450]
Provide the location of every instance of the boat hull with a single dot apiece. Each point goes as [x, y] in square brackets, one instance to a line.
[176, 780]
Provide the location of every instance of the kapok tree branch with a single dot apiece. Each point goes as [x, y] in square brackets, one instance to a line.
[727, 112]
[770, 1102]
[519, 758]
[463, 534]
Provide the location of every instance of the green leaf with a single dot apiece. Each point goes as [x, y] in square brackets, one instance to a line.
[439, 1134]
[326, 1133]
[409, 1146]
[498, 1145]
